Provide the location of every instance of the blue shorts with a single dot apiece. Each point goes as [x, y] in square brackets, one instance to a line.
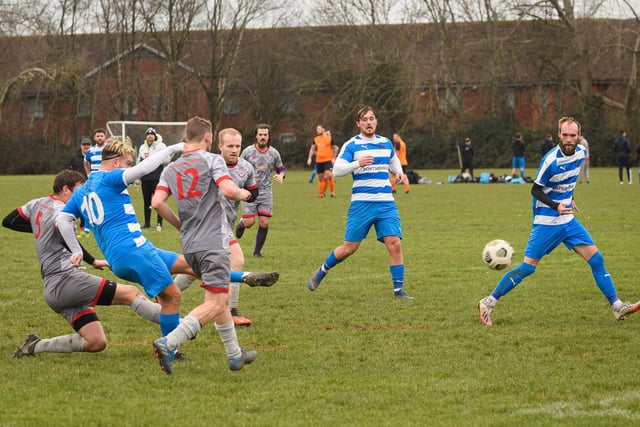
[518, 162]
[545, 238]
[149, 266]
[362, 216]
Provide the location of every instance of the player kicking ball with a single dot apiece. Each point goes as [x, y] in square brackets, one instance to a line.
[554, 223]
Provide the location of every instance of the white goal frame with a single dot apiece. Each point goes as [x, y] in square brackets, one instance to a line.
[122, 126]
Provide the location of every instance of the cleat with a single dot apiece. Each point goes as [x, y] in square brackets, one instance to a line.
[258, 255]
[261, 279]
[485, 313]
[165, 356]
[626, 310]
[236, 363]
[239, 319]
[333, 194]
[402, 295]
[180, 358]
[158, 228]
[26, 349]
[239, 231]
[315, 280]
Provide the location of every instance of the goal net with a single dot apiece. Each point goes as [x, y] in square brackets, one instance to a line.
[167, 132]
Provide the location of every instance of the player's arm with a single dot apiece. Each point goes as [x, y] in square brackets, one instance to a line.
[231, 191]
[16, 222]
[312, 152]
[536, 191]
[281, 173]
[254, 190]
[88, 258]
[66, 227]
[151, 163]
[159, 203]
[396, 168]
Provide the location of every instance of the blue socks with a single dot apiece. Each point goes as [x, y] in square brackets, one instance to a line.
[236, 276]
[512, 278]
[602, 277]
[330, 262]
[168, 322]
[397, 277]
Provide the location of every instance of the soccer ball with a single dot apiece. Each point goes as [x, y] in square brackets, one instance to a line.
[497, 254]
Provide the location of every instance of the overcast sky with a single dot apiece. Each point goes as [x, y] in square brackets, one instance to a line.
[305, 12]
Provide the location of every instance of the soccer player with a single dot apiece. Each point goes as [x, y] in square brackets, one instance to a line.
[93, 158]
[325, 149]
[400, 148]
[68, 290]
[200, 182]
[554, 223]
[242, 173]
[264, 159]
[369, 158]
[105, 203]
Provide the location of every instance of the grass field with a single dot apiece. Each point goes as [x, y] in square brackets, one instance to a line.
[349, 354]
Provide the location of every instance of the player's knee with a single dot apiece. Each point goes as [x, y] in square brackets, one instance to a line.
[95, 344]
[125, 294]
[524, 270]
[171, 295]
[596, 262]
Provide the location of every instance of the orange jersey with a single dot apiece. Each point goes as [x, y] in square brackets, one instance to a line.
[324, 148]
[402, 153]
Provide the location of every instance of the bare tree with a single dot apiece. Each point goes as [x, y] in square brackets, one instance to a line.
[224, 24]
[169, 23]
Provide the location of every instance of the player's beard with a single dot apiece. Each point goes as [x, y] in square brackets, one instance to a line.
[568, 150]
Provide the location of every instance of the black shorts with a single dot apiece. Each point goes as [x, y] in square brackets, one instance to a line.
[324, 166]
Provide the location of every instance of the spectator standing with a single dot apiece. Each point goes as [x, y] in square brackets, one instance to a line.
[517, 146]
[467, 157]
[400, 147]
[584, 170]
[622, 148]
[76, 163]
[152, 144]
[547, 144]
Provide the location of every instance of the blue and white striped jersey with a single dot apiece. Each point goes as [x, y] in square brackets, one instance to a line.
[557, 175]
[94, 157]
[105, 203]
[370, 183]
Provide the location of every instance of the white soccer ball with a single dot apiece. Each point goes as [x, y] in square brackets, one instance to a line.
[497, 254]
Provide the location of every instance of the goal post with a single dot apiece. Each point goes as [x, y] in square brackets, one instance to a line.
[168, 132]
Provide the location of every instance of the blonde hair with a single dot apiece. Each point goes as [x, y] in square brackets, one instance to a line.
[564, 120]
[227, 131]
[116, 147]
[196, 129]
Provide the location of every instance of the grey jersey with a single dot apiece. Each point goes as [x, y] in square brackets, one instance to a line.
[192, 180]
[52, 254]
[243, 175]
[264, 164]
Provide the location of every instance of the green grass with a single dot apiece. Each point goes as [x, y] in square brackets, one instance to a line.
[348, 354]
